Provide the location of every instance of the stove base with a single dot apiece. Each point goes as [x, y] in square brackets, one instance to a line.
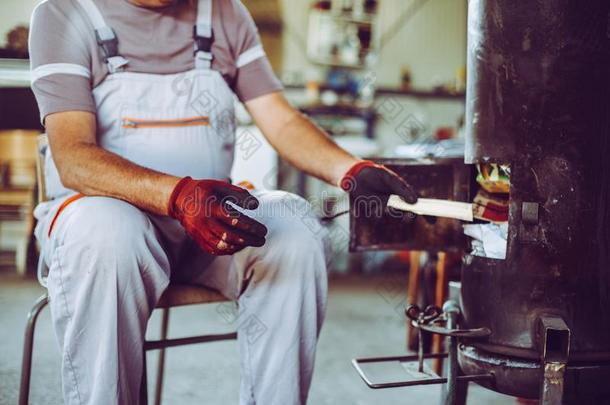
[585, 383]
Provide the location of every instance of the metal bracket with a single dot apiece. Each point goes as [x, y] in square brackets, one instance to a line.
[433, 379]
[418, 319]
[424, 321]
[459, 333]
[529, 230]
[529, 213]
[554, 344]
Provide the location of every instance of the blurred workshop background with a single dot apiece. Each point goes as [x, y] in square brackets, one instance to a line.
[387, 79]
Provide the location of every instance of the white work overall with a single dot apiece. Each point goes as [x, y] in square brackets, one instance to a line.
[109, 262]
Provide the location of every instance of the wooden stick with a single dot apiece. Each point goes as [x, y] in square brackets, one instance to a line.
[435, 208]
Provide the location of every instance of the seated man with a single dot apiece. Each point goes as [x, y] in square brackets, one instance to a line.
[141, 131]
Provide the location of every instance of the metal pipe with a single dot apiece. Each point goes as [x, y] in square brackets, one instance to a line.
[400, 358]
[452, 311]
[420, 350]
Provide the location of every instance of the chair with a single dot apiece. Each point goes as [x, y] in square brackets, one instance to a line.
[17, 186]
[176, 295]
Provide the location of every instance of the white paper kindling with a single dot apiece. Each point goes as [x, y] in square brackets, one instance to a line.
[489, 240]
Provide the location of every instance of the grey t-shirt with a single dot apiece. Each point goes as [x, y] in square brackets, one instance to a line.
[67, 63]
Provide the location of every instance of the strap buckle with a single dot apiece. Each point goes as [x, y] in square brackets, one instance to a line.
[203, 44]
[107, 40]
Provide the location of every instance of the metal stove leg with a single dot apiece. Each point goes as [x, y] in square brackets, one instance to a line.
[552, 384]
[28, 347]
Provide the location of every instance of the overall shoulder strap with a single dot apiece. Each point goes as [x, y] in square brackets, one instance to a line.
[203, 35]
[106, 38]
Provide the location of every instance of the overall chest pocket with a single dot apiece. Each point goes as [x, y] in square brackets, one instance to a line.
[158, 126]
[173, 142]
[129, 122]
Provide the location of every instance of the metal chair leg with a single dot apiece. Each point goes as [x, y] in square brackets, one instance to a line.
[161, 362]
[28, 347]
[143, 383]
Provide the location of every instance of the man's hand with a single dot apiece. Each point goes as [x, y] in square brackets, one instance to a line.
[202, 207]
[372, 184]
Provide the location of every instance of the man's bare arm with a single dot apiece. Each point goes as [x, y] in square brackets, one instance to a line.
[85, 167]
[298, 140]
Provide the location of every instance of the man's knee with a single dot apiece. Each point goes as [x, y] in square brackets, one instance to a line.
[295, 231]
[111, 236]
[106, 225]
[107, 248]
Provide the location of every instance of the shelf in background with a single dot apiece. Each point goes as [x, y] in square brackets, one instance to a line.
[343, 110]
[388, 91]
[426, 94]
[14, 73]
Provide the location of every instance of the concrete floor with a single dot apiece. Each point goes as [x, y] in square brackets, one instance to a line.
[364, 319]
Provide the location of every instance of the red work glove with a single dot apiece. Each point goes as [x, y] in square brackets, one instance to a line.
[202, 208]
[371, 185]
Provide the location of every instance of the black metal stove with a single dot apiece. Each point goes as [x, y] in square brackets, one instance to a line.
[536, 324]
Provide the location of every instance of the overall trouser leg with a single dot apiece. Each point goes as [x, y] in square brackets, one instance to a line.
[107, 269]
[283, 302]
